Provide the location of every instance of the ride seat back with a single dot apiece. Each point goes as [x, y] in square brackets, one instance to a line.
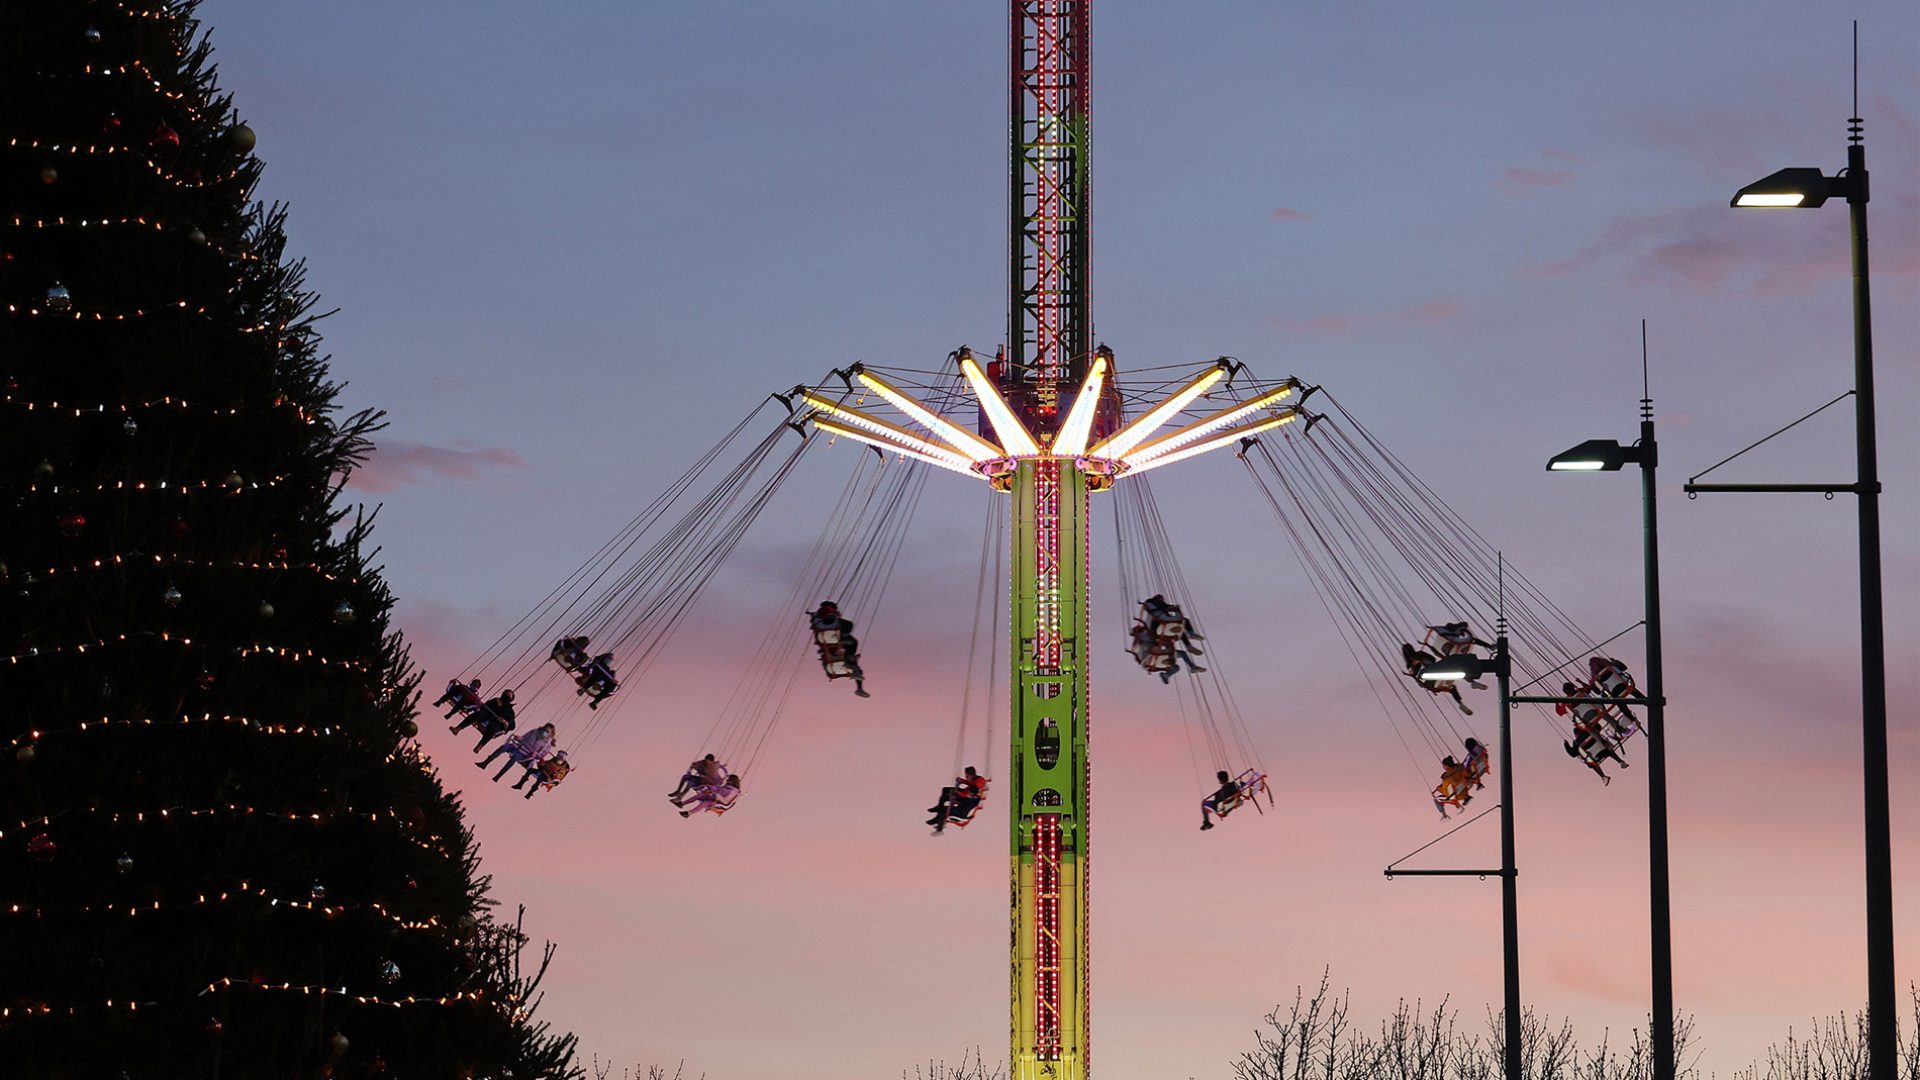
[1615, 683]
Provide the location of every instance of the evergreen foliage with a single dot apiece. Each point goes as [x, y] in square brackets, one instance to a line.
[221, 853]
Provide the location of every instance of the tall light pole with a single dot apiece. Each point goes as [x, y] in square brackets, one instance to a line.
[1807, 188]
[1605, 455]
[1468, 668]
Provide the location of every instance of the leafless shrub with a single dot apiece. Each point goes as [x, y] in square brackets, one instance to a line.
[1316, 1039]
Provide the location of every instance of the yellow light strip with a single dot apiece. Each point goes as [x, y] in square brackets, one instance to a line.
[1072, 440]
[1135, 433]
[1224, 438]
[966, 442]
[875, 440]
[894, 433]
[1013, 434]
[1179, 437]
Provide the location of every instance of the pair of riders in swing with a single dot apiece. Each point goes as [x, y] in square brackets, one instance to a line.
[1163, 638]
[708, 786]
[1460, 779]
[1600, 726]
[1447, 639]
[593, 676]
[532, 751]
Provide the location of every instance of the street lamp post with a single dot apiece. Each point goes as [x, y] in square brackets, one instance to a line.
[1806, 188]
[1609, 456]
[1467, 668]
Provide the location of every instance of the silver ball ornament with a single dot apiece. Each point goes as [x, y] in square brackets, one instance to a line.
[171, 597]
[318, 891]
[58, 298]
[92, 34]
[389, 972]
[130, 427]
[343, 614]
[124, 863]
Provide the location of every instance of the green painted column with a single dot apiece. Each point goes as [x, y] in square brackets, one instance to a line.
[1048, 782]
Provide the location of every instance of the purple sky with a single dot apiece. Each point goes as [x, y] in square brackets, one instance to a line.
[572, 242]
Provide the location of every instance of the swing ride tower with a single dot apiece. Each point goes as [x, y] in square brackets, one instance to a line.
[1048, 326]
[1051, 433]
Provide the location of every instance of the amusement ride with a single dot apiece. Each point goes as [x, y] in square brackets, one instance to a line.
[1048, 427]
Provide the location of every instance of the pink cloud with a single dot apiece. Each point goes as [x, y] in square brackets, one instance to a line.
[395, 463]
[1735, 143]
[1287, 213]
[1521, 180]
[1711, 247]
[1343, 323]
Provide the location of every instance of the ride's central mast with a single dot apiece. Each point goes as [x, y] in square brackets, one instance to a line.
[1051, 431]
[1049, 351]
[1049, 324]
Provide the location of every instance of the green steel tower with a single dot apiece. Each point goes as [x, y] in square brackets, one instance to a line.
[1051, 433]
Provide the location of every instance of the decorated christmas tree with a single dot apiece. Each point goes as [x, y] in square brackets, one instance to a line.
[221, 853]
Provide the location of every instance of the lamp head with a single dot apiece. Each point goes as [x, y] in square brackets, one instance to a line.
[1461, 668]
[1594, 455]
[1788, 188]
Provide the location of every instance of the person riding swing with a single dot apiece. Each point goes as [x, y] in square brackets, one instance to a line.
[570, 653]
[1221, 801]
[525, 749]
[716, 799]
[1416, 660]
[546, 774]
[1455, 786]
[494, 718]
[1169, 624]
[839, 649]
[597, 680]
[459, 697]
[958, 802]
[1159, 655]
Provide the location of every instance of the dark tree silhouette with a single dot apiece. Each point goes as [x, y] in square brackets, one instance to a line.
[221, 854]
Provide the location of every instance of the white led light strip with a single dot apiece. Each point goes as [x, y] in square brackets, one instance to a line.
[1072, 440]
[1135, 433]
[1013, 434]
[965, 442]
[1216, 441]
[1176, 439]
[883, 443]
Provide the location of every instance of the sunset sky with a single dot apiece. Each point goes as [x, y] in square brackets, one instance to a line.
[572, 243]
